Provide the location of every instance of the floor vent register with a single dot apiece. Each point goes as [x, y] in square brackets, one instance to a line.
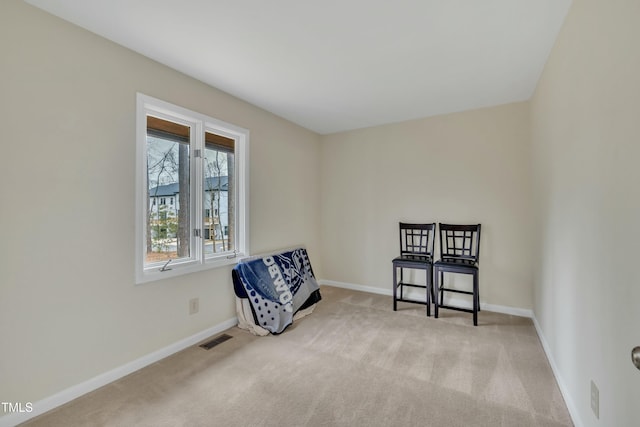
[214, 342]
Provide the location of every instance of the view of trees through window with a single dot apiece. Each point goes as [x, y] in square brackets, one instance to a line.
[169, 218]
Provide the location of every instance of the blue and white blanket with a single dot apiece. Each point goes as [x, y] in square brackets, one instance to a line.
[278, 285]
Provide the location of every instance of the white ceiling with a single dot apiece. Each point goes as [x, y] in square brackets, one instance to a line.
[335, 65]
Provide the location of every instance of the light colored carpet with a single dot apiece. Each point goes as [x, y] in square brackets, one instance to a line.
[353, 362]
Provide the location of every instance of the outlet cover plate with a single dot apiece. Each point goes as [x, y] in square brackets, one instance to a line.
[194, 305]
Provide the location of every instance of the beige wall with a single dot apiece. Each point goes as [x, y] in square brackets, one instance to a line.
[69, 309]
[585, 116]
[470, 167]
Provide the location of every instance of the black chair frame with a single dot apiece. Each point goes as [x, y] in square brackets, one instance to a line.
[459, 254]
[416, 252]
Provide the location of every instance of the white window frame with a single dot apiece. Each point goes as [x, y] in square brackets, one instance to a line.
[147, 105]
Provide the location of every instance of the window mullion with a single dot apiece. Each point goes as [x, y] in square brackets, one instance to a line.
[197, 189]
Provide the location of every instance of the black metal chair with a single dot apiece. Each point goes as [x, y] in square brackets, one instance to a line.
[416, 252]
[459, 253]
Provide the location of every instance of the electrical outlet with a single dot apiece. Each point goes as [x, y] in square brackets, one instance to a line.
[194, 305]
[595, 399]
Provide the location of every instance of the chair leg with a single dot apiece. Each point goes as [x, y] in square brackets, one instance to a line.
[433, 288]
[478, 279]
[428, 285]
[441, 287]
[436, 286]
[395, 289]
[476, 299]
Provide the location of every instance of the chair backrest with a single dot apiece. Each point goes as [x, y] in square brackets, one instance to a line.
[460, 242]
[417, 239]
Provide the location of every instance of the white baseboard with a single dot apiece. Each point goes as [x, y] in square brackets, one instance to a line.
[573, 411]
[78, 390]
[353, 287]
[515, 311]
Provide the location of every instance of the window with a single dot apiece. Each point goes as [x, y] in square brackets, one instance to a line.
[201, 163]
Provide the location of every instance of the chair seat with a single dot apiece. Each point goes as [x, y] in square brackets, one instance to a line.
[456, 263]
[413, 259]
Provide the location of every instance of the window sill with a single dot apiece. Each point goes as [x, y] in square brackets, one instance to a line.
[174, 270]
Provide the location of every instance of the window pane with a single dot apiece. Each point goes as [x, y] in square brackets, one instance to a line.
[168, 199]
[219, 200]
